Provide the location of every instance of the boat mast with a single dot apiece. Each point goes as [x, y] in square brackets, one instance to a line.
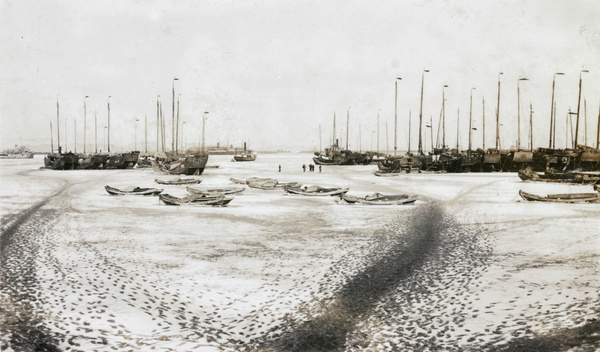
[530, 127]
[84, 122]
[377, 132]
[598, 131]
[444, 116]
[157, 124]
[347, 126]
[578, 105]
[483, 118]
[519, 112]
[396, 116]
[554, 127]
[177, 129]
[551, 142]
[108, 132]
[387, 140]
[320, 146]
[470, 119]
[498, 116]
[409, 129]
[421, 113]
[75, 133]
[96, 131]
[457, 130]
[146, 133]
[51, 139]
[173, 118]
[57, 126]
[334, 140]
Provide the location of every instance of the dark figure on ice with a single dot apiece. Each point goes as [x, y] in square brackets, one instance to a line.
[280, 168]
[304, 167]
[319, 168]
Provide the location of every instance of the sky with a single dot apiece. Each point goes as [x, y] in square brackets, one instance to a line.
[274, 73]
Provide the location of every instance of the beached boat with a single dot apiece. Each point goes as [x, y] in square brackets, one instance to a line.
[17, 153]
[61, 161]
[132, 191]
[578, 177]
[189, 164]
[380, 199]
[179, 181]
[315, 190]
[385, 173]
[562, 198]
[211, 190]
[195, 199]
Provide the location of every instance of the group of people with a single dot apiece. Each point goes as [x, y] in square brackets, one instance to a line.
[311, 167]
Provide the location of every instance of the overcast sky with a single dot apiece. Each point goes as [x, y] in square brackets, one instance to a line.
[271, 72]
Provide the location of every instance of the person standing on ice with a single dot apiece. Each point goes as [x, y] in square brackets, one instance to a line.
[303, 167]
[279, 167]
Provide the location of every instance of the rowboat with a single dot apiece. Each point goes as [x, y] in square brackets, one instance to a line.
[385, 173]
[195, 199]
[133, 191]
[263, 183]
[562, 198]
[380, 199]
[179, 181]
[316, 190]
[211, 190]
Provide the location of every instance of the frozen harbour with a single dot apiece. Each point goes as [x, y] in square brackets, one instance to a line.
[469, 267]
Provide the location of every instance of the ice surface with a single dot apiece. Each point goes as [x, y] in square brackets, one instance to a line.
[129, 273]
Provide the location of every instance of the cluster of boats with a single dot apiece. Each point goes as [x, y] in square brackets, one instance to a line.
[95, 161]
[221, 195]
[493, 160]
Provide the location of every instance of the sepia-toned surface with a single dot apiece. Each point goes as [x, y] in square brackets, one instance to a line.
[470, 266]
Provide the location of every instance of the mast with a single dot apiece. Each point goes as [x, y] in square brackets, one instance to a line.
[57, 127]
[483, 118]
[554, 127]
[96, 131]
[347, 126]
[457, 130]
[578, 104]
[108, 132]
[146, 133]
[66, 137]
[470, 120]
[551, 142]
[498, 116]
[444, 116]
[51, 139]
[75, 132]
[396, 115]
[320, 146]
[84, 122]
[377, 132]
[421, 113]
[409, 129]
[598, 131]
[157, 124]
[530, 127]
[334, 140]
[173, 119]
[177, 136]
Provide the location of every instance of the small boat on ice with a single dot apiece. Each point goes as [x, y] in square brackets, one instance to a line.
[179, 181]
[195, 199]
[315, 190]
[380, 199]
[263, 183]
[562, 198]
[212, 190]
[133, 191]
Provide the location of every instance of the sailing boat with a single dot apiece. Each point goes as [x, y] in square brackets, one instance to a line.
[60, 161]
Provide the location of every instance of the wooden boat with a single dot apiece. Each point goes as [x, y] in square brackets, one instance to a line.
[195, 199]
[562, 198]
[189, 164]
[315, 190]
[179, 181]
[263, 183]
[133, 191]
[61, 161]
[237, 181]
[212, 190]
[577, 177]
[385, 173]
[380, 199]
